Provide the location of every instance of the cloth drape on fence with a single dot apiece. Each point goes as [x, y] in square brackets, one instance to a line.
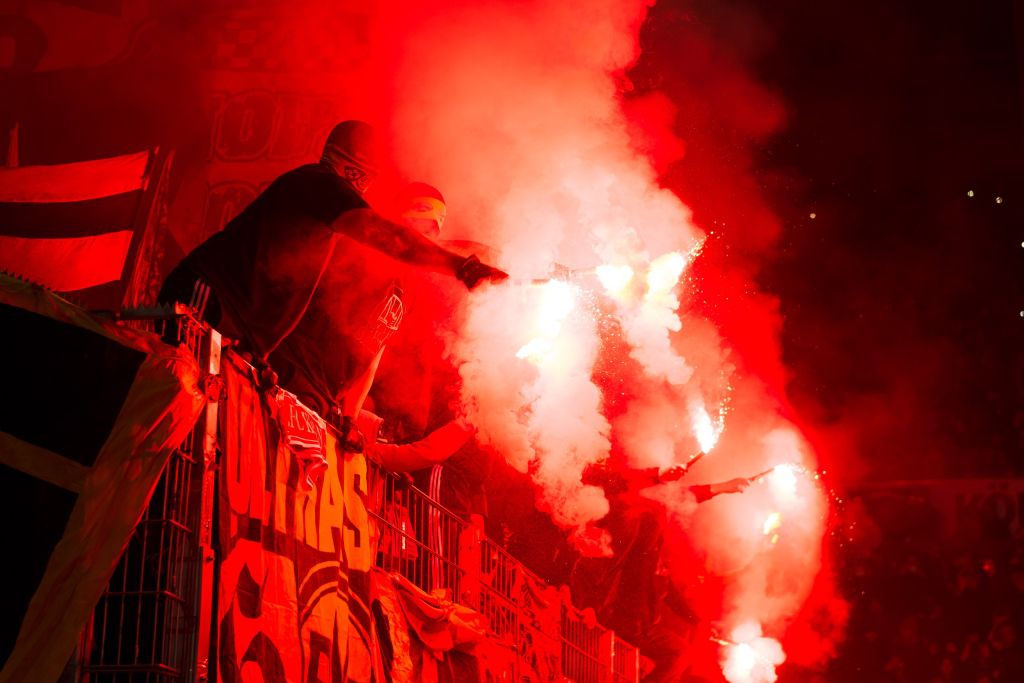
[90, 413]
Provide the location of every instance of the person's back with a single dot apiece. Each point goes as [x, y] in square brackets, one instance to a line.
[263, 269]
[331, 357]
[356, 308]
[267, 262]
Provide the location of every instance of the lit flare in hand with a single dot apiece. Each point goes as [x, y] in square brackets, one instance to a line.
[557, 301]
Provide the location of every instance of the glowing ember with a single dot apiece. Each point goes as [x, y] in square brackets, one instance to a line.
[614, 279]
[771, 523]
[663, 273]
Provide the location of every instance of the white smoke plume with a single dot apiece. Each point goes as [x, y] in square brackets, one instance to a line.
[528, 389]
[513, 109]
[750, 657]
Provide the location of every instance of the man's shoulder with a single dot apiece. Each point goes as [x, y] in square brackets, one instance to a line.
[309, 170]
[304, 175]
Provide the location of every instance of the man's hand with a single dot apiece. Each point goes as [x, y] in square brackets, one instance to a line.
[266, 378]
[672, 473]
[352, 440]
[472, 272]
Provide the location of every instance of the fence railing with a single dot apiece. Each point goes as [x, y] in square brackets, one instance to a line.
[153, 623]
[147, 626]
[441, 553]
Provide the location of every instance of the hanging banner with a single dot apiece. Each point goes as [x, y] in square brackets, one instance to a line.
[540, 650]
[426, 638]
[293, 595]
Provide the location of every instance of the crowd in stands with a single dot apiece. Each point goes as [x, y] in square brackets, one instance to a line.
[931, 603]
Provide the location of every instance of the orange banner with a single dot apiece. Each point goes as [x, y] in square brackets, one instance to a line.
[294, 582]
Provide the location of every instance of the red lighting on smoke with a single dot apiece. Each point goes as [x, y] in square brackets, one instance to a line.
[687, 346]
[554, 166]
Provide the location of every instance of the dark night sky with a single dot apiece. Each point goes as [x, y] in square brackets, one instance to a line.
[901, 298]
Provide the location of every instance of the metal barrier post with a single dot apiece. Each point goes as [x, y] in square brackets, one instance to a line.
[210, 356]
[470, 564]
[606, 656]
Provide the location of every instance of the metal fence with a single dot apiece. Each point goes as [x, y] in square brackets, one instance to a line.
[593, 654]
[441, 553]
[146, 627]
[500, 580]
[153, 625]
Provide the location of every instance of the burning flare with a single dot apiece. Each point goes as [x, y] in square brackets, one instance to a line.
[705, 430]
[614, 279]
[749, 657]
[783, 482]
[557, 302]
[662, 277]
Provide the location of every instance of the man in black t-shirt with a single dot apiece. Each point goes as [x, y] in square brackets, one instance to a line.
[261, 271]
[330, 359]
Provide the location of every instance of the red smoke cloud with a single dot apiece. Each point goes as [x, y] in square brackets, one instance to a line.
[525, 116]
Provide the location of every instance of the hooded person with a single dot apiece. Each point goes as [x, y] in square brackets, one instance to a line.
[255, 279]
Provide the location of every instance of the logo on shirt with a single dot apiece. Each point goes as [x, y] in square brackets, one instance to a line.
[387, 320]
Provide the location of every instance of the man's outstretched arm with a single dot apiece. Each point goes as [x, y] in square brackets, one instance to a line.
[433, 449]
[704, 492]
[405, 244]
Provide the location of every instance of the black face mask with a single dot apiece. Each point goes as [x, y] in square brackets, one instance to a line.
[359, 179]
[355, 175]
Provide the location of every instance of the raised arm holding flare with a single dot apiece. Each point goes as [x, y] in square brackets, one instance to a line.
[261, 271]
